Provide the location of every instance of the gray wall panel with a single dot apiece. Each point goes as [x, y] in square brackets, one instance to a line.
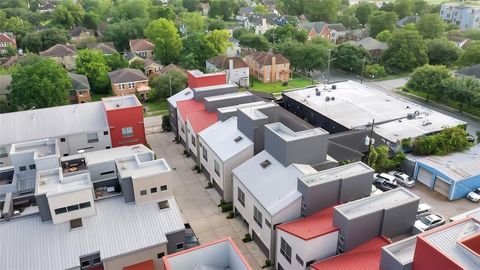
[173, 239]
[127, 189]
[400, 219]
[43, 207]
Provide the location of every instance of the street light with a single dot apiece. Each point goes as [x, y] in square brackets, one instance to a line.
[363, 67]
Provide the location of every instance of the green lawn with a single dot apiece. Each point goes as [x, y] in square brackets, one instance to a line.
[277, 87]
[98, 97]
[157, 107]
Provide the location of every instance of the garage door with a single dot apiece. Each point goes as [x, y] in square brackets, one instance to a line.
[441, 186]
[425, 177]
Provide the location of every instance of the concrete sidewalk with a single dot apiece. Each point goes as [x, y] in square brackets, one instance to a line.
[199, 205]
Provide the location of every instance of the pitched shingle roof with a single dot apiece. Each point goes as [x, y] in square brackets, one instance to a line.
[77, 31]
[472, 71]
[370, 44]
[318, 26]
[222, 62]
[265, 58]
[149, 61]
[256, 19]
[138, 45]
[126, 75]
[79, 81]
[337, 27]
[8, 37]
[59, 50]
[105, 47]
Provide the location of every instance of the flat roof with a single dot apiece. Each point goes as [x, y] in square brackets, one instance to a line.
[336, 173]
[274, 186]
[253, 111]
[114, 231]
[52, 182]
[456, 166]
[289, 135]
[227, 96]
[221, 254]
[134, 167]
[354, 105]
[236, 107]
[52, 122]
[45, 147]
[121, 102]
[225, 139]
[403, 250]
[213, 87]
[197, 73]
[318, 224]
[185, 94]
[375, 203]
[190, 105]
[110, 154]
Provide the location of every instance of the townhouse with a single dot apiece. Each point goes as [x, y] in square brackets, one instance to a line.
[466, 17]
[335, 32]
[64, 55]
[269, 67]
[128, 81]
[236, 69]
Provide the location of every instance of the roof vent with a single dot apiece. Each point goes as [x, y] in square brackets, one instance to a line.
[117, 105]
[265, 163]
[237, 139]
[327, 99]
[334, 86]
[332, 98]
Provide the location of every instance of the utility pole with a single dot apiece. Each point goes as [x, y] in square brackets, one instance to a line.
[330, 59]
[370, 141]
[363, 67]
[170, 81]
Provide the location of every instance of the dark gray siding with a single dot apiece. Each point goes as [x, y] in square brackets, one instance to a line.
[318, 197]
[174, 239]
[399, 220]
[43, 207]
[172, 116]
[359, 230]
[356, 187]
[199, 95]
[127, 189]
[215, 104]
[388, 262]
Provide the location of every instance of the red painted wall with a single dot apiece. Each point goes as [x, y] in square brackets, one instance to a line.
[206, 80]
[126, 117]
[428, 258]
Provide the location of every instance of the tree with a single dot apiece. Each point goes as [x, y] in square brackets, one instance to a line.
[349, 21]
[374, 71]
[384, 36]
[17, 26]
[429, 79]
[9, 51]
[292, 7]
[122, 32]
[3, 19]
[410, 26]
[240, 31]
[431, 26]
[281, 33]
[131, 9]
[421, 7]
[350, 57]
[100, 8]
[191, 5]
[260, 9]
[193, 22]
[363, 11]
[92, 64]
[471, 55]
[137, 64]
[53, 36]
[449, 140]
[255, 42]
[442, 51]
[164, 12]
[42, 84]
[403, 8]
[196, 50]
[322, 10]
[473, 34]
[304, 57]
[381, 20]
[223, 9]
[216, 24]
[406, 50]
[161, 84]
[68, 14]
[115, 61]
[164, 35]
[218, 39]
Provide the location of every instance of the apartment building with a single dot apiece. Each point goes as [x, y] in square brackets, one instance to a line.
[466, 17]
[268, 67]
[129, 81]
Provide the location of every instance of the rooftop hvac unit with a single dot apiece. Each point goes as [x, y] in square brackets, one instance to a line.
[410, 116]
[327, 99]
[334, 86]
[332, 98]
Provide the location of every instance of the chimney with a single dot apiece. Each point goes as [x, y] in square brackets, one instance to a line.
[230, 69]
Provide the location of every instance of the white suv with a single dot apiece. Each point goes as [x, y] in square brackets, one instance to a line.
[403, 179]
[474, 195]
[385, 177]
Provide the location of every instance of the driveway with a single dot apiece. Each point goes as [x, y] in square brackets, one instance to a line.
[199, 205]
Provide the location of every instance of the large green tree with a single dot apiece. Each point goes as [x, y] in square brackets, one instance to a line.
[403, 8]
[161, 84]
[68, 14]
[41, 84]
[122, 32]
[218, 39]
[471, 55]
[115, 61]
[429, 79]
[350, 57]
[322, 10]
[406, 50]
[191, 5]
[431, 26]
[253, 41]
[442, 51]
[196, 50]
[92, 64]
[42, 40]
[224, 9]
[363, 11]
[193, 22]
[164, 35]
[281, 33]
[131, 9]
[381, 20]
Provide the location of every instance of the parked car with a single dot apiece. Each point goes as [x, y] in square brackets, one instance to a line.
[474, 195]
[381, 177]
[423, 210]
[429, 222]
[375, 191]
[384, 185]
[403, 179]
[470, 138]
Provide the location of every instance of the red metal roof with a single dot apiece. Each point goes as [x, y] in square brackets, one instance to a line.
[316, 225]
[201, 120]
[146, 265]
[363, 257]
[187, 106]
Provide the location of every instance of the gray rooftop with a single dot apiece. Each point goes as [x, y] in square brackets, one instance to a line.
[185, 94]
[45, 147]
[112, 231]
[79, 81]
[51, 182]
[135, 167]
[403, 250]
[126, 75]
[336, 173]
[111, 154]
[120, 102]
[471, 71]
[370, 44]
[289, 135]
[227, 96]
[389, 199]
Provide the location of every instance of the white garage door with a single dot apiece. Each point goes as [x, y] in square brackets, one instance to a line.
[425, 177]
[442, 186]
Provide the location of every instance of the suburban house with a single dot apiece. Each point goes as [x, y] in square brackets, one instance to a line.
[246, 11]
[80, 92]
[7, 39]
[220, 254]
[315, 29]
[406, 20]
[457, 38]
[469, 72]
[128, 81]
[106, 47]
[171, 67]
[260, 23]
[46, 7]
[466, 17]
[374, 47]
[268, 67]
[237, 70]
[79, 32]
[142, 47]
[65, 55]
[453, 176]
[151, 67]
[338, 32]
[131, 57]
[234, 49]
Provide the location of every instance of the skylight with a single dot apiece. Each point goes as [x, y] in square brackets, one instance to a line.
[265, 163]
[237, 139]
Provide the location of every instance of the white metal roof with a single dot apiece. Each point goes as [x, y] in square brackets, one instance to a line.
[52, 182]
[52, 122]
[110, 154]
[287, 134]
[220, 137]
[457, 166]
[117, 229]
[355, 105]
[185, 94]
[275, 186]
[227, 96]
[121, 102]
[335, 173]
[134, 167]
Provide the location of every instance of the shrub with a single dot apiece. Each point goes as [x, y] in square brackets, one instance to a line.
[226, 207]
[375, 71]
[448, 141]
[285, 83]
[247, 238]
[230, 215]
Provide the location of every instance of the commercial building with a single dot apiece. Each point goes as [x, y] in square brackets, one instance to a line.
[350, 105]
[221, 254]
[453, 176]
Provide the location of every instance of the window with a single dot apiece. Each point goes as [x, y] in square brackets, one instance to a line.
[153, 190]
[163, 188]
[105, 133]
[143, 192]
[131, 85]
[107, 172]
[299, 260]
[163, 205]
[62, 139]
[237, 139]
[121, 86]
[160, 255]
[73, 207]
[127, 132]
[96, 260]
[340, 239]
[339, 250]
[22, 168]
[268, 223]
[3, 152]
[216, 167]
[84, 264]
[59, 211]
[205, 153]
[92, 137]
[280, 267]
[179, 246]
[241, 196]
[285, 250]
[108, 147]
[32, 166]
[84, 205]
[257, 216]
[193, 140]
[75, 223]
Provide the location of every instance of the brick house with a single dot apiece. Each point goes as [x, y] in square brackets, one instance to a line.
[237, 70]
[315, 29]
[151, 67]
[7, 39]
[63, 54]
[80, 92]
[128, 81]
[269, 67]
[142, 47]
[79, 33]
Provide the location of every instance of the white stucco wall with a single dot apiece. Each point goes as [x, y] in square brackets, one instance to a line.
[70, 198]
